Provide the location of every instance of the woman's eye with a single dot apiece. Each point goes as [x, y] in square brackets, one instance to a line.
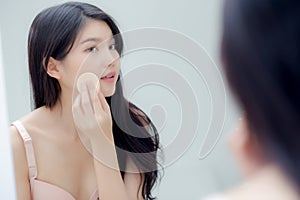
[92, 49]
[112, 47]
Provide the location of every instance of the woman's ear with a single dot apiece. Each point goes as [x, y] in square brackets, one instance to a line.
[53, 68]
[246, 149]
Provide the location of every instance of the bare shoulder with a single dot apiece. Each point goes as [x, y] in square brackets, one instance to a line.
[17, 142]
[18, 146]
[20, 164]
[36, 117]
[37, 124]
[32, 123]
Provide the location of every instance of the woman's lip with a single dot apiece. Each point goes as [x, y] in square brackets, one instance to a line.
[113, 74]
[109, 74]
[108, 79]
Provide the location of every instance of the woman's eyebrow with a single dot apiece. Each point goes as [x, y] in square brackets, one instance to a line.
[96, 40]
[91, 40]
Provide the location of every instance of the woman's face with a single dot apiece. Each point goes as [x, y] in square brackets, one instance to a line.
[93, 51]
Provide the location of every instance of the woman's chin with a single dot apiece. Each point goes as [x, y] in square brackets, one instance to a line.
[108, 93]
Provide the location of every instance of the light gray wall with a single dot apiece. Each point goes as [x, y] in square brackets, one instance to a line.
[189, 177]
[7, 183]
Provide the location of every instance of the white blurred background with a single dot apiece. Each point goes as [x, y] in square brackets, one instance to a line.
[187, 178]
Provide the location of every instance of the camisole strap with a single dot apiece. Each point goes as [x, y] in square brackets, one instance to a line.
[28, 148]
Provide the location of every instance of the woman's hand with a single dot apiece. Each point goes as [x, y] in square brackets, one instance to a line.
[91, 113]
[92, 118]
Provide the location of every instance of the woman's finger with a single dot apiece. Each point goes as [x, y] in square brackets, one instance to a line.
[77, 110]
[86, 102]
[97, 106]
[103, 101]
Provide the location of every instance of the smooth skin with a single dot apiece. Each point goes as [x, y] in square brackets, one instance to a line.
[58, 149]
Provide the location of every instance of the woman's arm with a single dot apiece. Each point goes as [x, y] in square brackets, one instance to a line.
[20, 165]
[110, 182]
[92, 118]
[133, 181]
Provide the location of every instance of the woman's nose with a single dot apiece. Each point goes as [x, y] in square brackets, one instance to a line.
[108, 57]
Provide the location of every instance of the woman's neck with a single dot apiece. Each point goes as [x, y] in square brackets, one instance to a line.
[61, 112]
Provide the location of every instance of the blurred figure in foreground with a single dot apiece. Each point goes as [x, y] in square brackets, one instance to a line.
[261, 57]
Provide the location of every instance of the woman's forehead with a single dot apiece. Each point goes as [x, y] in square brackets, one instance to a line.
[94, 30]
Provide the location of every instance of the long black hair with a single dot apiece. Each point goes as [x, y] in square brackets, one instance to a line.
[52, 34]
[261, 57]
